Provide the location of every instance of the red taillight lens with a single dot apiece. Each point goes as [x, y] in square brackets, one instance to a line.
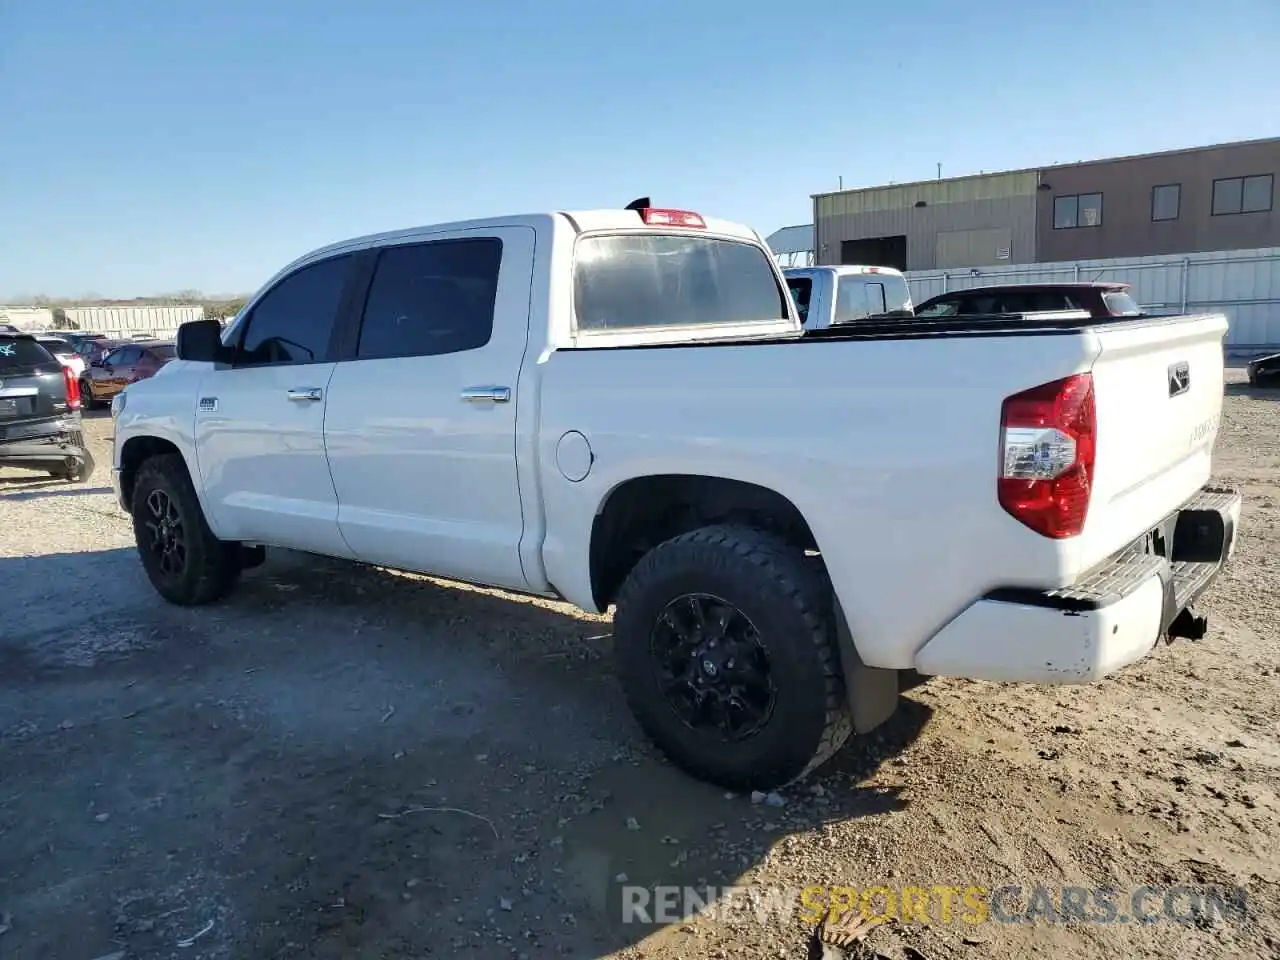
[656, 217]
[1048, 441]
[73, 389]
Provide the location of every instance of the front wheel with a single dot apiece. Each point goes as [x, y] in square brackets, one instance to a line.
[185, 562]
[726, 653]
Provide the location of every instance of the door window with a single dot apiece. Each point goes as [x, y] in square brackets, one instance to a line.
[293, 321]
[428, 299]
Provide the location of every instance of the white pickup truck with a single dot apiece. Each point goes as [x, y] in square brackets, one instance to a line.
[826, 296]
[617, 408]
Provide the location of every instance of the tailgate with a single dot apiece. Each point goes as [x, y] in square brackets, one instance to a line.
[1158, 389]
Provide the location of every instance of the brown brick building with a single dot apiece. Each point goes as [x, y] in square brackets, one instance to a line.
[1180, 201]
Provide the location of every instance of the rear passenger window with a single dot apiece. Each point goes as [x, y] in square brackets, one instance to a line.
[293, 321]
[429, 299]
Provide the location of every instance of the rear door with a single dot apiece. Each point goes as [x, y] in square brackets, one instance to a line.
[421, 424]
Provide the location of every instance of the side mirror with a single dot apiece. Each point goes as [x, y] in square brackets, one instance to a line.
[202, 340]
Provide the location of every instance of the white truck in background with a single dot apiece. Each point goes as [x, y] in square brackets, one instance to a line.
[615, 407]
[826, 296]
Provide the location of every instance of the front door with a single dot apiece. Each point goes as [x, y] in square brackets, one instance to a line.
[115, 373]
[259, 423]
[421, 424]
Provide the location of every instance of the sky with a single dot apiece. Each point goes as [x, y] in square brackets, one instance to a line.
[150, 147]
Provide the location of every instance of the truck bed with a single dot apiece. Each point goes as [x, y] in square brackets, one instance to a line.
[886, 437]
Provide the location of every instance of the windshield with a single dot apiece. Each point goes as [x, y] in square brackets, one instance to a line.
[1120, 304]
[20, 353]
[629, 281]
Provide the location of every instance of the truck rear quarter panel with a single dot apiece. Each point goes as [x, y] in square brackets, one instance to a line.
[889, 449]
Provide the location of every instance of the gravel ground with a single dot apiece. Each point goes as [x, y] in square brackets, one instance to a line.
[346, 762]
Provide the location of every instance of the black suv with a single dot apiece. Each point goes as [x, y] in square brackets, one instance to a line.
[40, 426]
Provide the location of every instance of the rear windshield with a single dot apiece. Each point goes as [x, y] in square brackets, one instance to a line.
[56, 346]
[1120, 304]
[628, 281]
[872, 296]
[19, 353]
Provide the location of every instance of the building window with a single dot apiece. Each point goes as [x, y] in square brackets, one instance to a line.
[1165, 200]
[1242, 195]
[1082, 210]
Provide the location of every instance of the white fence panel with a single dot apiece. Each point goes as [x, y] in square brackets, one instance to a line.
[1243, 284]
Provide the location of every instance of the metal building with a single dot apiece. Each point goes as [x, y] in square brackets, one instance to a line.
[960, 222]
[129, 321]
[1199, 200]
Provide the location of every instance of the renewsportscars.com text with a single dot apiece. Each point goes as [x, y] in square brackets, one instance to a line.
[944, 904]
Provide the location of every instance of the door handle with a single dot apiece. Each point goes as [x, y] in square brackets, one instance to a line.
[495, 394]
[305, 393]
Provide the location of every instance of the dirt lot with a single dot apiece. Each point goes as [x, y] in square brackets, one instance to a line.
[345, 762]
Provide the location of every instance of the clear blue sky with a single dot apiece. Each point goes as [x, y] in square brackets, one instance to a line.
[150, 146]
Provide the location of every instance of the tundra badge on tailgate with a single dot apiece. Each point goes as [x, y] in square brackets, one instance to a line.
[1179, 378]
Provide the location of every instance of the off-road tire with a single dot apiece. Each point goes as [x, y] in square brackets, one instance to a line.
[788, 599]
[212, 566]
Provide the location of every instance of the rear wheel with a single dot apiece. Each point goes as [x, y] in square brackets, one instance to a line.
[185, 562]
[726, 654]
[86, 396]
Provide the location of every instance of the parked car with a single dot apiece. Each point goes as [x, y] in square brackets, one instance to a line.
[40, 426]
[94, 350]
[829, 296]
[1264, 371]
[64, 351]
[127, 363]
[1099, 299]
[617, 408]
[80, 340]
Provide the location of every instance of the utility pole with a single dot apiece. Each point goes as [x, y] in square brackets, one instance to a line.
[939, 171]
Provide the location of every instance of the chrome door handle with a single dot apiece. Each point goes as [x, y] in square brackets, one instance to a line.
[496, 394]
[305, 393]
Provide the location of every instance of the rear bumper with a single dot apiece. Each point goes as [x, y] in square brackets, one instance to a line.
[1110, 619]
[41, 441]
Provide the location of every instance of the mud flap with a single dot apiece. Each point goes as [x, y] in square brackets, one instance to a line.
[872, 692]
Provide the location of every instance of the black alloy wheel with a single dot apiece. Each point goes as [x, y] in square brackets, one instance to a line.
[712, 667]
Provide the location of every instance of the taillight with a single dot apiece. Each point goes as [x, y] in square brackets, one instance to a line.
[73, 389]
[1048, 441]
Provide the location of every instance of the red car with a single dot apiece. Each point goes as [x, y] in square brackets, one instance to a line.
[1105, 299]
[128, 362]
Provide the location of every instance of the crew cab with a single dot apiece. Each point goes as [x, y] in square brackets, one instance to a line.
[826, 296]
[1099, 299]
[615, 408]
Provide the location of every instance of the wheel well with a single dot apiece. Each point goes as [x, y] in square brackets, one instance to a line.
[646, 511]
[136, 451]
